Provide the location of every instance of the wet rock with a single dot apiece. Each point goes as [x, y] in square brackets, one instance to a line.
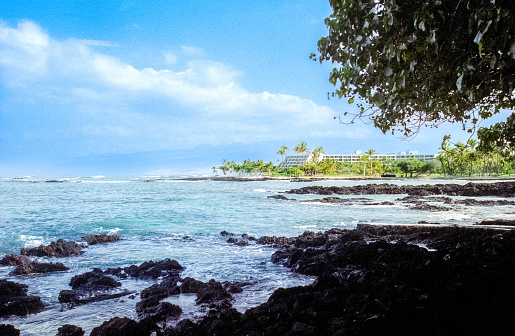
[154, 311]
[232, 240]
[148, 270]
[502, 189]
[169, 286]
[60, 249]
[499, 222]
[13, 260]
[25, 266]
[281, 197]
[475, 202]
[15, 301]
[464, 287]
[30, 267]
[429, 207]
[118, 326]
[91, 287]
[411, 199]
[190, 285]
[235, 286]
[100, 239]
[8, 330]
[94, 280]
[70, 330]
[337, 200]
[246, 236]
[275, 241]
[214, 294]
[239, 242]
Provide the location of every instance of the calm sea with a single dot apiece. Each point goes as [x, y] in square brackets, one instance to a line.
[182, 220]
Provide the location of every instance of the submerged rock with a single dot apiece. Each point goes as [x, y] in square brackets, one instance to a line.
[281, 197]
[240, 240]
[15, 301]
[60, 249]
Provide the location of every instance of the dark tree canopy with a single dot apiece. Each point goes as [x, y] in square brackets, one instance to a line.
[422, 62]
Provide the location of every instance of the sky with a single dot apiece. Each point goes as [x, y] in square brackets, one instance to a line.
[170, 87]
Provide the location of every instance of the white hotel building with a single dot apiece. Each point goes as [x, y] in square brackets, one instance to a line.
[296, 160]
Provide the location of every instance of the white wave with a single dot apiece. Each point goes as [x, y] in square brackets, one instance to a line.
[31, 241]
[259, 190]
[303, 227]
[98, 176]
[109, 231]
[342, 224]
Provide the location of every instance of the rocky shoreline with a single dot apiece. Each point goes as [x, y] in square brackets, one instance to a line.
[388, 280]
[501, 189]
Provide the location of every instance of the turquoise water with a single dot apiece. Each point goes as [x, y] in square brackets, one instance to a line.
[180, 220]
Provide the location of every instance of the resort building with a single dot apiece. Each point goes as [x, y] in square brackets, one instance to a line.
[296, 160]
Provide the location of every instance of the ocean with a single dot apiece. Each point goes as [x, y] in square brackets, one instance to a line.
[159, 218]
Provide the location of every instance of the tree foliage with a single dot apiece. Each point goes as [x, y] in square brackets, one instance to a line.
[469, 159]
[422, 62]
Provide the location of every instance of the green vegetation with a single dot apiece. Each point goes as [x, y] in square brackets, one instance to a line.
[248, 167]
[422, 62]
[472, 160]
[368, 166]
[453, 159]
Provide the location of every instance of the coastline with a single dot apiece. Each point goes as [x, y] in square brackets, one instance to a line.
[352, 264]
[337, 178]
[375, 279]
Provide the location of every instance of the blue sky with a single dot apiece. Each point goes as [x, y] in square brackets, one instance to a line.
[169, 87]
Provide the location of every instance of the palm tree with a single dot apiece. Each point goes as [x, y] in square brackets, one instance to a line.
[282, 152]
[301, 148]
[369, 153]
[316, 153]
[224, 167]
[363, 158]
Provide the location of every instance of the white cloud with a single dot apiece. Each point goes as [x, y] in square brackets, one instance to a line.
[203, 103]
[24, 48]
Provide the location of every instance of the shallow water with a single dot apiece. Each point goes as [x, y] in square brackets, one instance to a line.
[179, 220]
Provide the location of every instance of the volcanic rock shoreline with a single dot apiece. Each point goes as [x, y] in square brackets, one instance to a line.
[386, 280]
[501, 189]
[373, 280]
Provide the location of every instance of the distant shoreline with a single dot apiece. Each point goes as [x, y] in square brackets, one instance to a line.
[334, 178]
